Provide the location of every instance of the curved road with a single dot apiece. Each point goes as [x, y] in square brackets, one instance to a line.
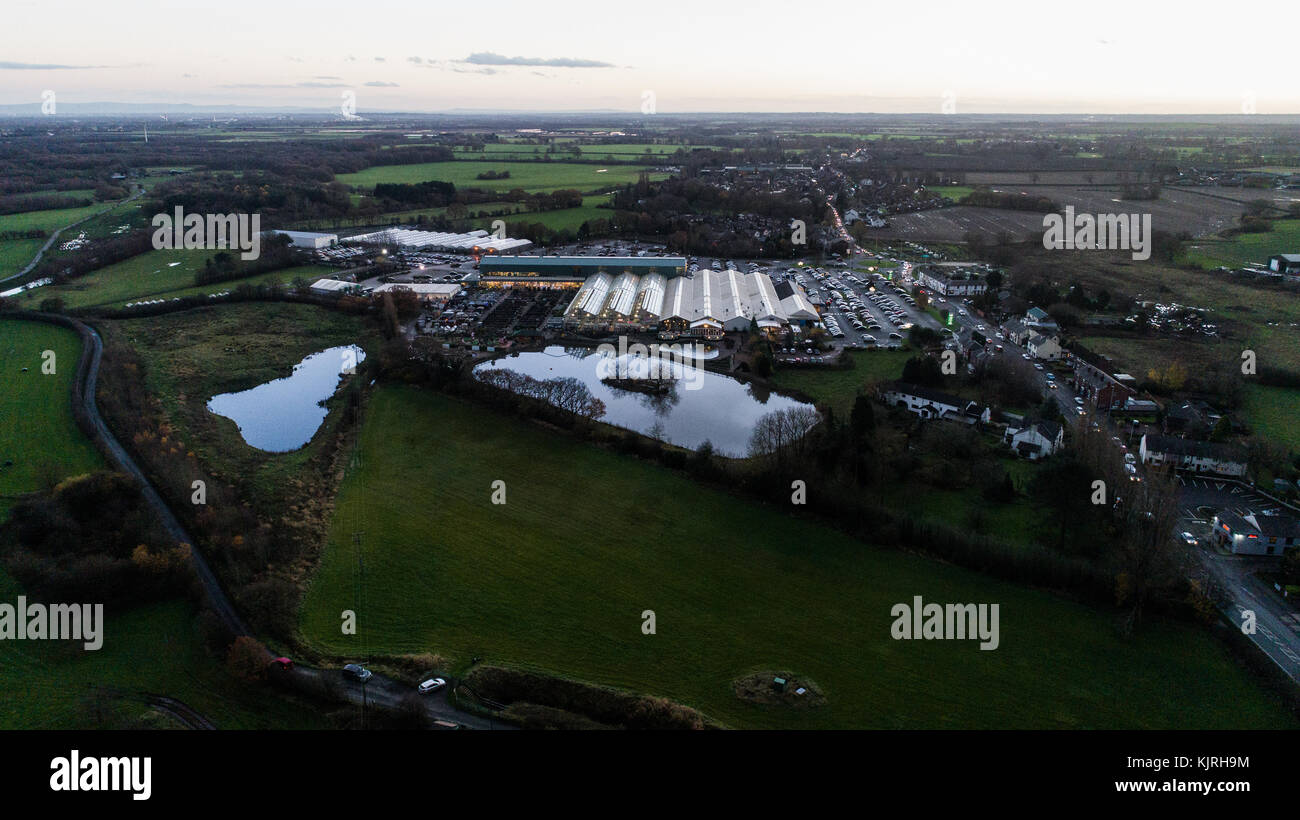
[380, 691]
[54, 236]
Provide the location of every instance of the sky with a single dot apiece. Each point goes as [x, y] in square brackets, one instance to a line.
[678, 56]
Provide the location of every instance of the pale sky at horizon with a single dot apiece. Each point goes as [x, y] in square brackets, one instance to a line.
[1020, 57]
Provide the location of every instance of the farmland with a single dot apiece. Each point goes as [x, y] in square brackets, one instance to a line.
[1178, 209]
[622, 152]
[530, 176]
[37, 431]
[153, 275]
[544, 582]
[154, 648]
[1246, 248]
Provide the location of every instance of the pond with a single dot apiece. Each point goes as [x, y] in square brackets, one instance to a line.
[699, 406]
[283, 414]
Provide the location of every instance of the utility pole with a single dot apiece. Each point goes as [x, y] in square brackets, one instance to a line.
[358, 584]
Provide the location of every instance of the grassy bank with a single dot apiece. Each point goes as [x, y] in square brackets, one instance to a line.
[558, 577]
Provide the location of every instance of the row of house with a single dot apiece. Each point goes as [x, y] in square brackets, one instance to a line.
[1202, 457]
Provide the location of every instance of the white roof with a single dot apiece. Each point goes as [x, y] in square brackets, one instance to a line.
[331, 284]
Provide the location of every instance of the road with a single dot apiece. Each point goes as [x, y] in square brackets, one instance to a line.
[382, 691]
[55, 236]
[389, 694]
[1277, 631]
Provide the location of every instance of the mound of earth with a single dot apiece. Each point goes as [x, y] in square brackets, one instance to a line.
[758, 688]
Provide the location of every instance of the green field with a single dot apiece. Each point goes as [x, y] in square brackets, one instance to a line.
[571, 218]
[530, 176]
[953, 192]
[557, 579]
[1271, 412]
[152, 275]
[153, 648]
[838, 388]
[1245, 248]
[15, 254]
[47, 220]
[37, 431]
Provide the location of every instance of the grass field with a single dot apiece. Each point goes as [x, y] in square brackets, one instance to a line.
[530, 176]
[1271, 412]
[1245, 248]
[152, 275]
[558, 577]
[16, 253]
[838, 388]
[153, 648]
[37, 431]
[47, 220]
[953, 192]
[571, 218]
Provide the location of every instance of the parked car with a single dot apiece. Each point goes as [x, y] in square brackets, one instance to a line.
[282, 664]
[432, 685]
[1189, 539]
[358, 672]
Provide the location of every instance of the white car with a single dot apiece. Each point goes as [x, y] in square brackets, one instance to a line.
[431, 685]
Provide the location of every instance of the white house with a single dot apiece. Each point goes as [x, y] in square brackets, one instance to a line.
[1195, 456]
[1255, 534]
[933, 404]
[1044, 347]
[1037, 440]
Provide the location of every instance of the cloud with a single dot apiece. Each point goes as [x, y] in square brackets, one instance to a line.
[284, 85]
[490, 58]
[380, 60]
[349, 59]
[474, 70]
[189, 76]
[416, 60]
[381, 84]
[6, 65]
[325, 77]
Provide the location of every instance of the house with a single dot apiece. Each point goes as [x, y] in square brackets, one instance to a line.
[1253, 533]
[1016, 332]
[929, 403]
[1140, 407]
[851, 216]
[1195, 456]
[1193, 417]
[952, 282]
[1044, 347]
[1096, 384]
[1285, 263]
[1038, 319]
[1037, 440]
